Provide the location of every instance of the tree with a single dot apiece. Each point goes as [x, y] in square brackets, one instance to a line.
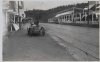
[44, 15]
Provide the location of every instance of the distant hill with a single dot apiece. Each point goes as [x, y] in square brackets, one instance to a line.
[44, 15]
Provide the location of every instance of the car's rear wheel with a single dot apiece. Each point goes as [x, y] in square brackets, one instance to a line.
[42, 32]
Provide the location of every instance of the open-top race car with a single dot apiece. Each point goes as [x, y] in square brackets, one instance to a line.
[36, 29]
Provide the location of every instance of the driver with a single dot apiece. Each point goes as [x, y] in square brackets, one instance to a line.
[36, 23]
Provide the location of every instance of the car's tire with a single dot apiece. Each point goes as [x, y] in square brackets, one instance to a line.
[29, 32]
[42, 31]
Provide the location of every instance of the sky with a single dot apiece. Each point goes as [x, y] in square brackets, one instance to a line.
[48, 4]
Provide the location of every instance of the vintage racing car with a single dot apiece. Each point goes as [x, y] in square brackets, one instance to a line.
[36, 30]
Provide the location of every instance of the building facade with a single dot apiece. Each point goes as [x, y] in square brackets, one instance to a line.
[88, 15]
[13, 12]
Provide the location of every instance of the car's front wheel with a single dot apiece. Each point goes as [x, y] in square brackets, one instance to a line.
[29, 32]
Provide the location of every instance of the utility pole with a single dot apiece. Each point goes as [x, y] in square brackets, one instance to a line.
[88, 14]
[19, 16]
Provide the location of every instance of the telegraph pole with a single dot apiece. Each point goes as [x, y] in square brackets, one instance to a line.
[18, 17]
[88, 14]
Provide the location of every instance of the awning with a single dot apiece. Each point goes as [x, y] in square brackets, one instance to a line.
[69, 12]
[98, 7]
[90, 6]
[85, 8]
[16, 27]
[12, 12]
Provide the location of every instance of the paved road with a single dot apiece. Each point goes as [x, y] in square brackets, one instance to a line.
[62, 42]
[20, 47]
[81, 42]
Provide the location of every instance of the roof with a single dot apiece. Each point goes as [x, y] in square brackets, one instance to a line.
[85, 8]
[68, 12]
[65, 10]
[98, 6]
